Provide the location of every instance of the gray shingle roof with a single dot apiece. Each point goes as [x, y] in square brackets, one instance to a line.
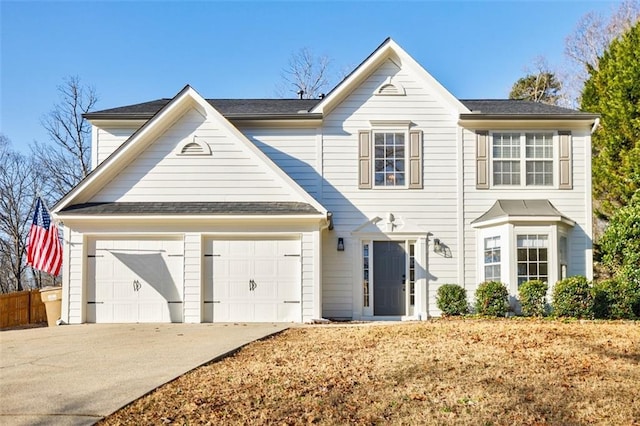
[227, 107]
[237, 108]
[520, 208]
[191, 208]
[512, 106]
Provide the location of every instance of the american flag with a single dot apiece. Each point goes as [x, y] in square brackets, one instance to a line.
[44, 250]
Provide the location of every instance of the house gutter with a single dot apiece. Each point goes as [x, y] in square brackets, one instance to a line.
[485, 117]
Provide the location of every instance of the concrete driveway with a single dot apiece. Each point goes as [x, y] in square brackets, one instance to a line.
[78, 374]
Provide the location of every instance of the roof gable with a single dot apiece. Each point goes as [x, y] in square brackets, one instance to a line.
[387, 50]
[124, 174]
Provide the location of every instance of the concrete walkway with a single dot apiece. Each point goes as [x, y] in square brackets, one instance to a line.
[78, 374]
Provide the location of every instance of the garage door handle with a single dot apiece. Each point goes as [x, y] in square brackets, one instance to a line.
[252, 285]
[136, 285]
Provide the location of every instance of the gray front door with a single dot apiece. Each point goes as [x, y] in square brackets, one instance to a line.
[389, 259]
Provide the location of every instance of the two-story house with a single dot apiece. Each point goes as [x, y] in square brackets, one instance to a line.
[357, 205]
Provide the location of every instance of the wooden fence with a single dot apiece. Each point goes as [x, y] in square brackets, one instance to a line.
[21, 308]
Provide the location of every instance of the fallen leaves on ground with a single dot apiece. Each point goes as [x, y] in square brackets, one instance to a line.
[462, 371]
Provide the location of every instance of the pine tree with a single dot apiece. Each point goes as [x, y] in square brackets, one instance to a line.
[613, 91]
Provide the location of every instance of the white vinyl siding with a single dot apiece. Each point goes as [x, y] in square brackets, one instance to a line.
[73, 274]
[107, 139]
[296, 151]
[231, 173]
[433, 208]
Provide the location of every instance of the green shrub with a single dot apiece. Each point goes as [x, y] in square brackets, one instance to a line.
[452, 299]
[492, 298]
[616, 299]
[572, 297]
[533, 297]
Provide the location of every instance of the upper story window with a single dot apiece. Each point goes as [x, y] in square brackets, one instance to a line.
[523, 158]
[389, 158]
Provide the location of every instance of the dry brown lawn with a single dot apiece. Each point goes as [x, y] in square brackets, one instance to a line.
[464, 371]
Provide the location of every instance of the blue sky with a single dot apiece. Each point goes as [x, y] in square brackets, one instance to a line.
[135, 51]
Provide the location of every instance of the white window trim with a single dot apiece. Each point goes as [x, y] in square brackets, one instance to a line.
[383, 126]
[484, 260]
[551, 231]
[523, 160]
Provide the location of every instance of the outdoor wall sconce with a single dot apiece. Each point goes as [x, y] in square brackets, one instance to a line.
[340, 244]
[437, 247]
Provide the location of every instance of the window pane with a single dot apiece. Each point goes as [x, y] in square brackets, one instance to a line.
[389, 161]
[492, 259]
[506, 173]
[532, 257]
[543, 268]
[540, 173]
[543, 255]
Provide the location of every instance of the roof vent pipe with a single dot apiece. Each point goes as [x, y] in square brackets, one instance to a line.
[300, 93]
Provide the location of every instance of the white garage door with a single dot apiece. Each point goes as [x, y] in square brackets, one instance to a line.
[252, 281]
[134, 280]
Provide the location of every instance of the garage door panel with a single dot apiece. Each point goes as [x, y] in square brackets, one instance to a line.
[266, 289]
[251, 279]
[237, 267]
[235, 289]
[118, 312]
[266, 312]
[289, 312]
[134, 280]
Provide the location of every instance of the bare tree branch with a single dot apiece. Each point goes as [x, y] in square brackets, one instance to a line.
[18, 186]
[306, 73]
[590, 38]
[68, 159]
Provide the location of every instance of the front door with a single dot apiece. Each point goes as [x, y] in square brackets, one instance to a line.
[389, 271]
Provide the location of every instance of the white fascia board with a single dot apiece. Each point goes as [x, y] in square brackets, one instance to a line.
[524, 122]
[195, 218]
[117, 122]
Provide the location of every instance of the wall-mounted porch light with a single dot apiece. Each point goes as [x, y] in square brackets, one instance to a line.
[340, 244]
[437, 247]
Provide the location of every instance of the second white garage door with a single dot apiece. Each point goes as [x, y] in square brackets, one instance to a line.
[252, 281]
